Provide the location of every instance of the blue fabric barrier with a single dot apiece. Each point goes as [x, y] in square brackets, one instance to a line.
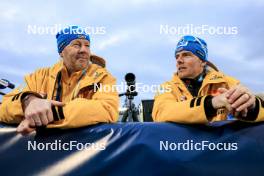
[136, 149]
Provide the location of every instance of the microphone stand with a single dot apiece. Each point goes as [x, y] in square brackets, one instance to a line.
[131, 114]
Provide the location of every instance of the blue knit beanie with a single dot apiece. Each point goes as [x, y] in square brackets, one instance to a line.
[66, 35]
[193, 44]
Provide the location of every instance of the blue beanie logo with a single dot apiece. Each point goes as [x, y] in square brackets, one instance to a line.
[66, 35]
[193, 44]
[81, 36]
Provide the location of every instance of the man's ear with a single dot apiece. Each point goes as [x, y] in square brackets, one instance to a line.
[61, 55]
[203, 64]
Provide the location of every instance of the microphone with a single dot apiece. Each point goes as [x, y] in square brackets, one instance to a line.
[5, 83]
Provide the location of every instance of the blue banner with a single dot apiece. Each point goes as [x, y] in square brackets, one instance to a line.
[226, 148]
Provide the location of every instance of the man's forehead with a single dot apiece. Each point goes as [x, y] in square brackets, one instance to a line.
[188, 53]
[80, 41]
[184, 52]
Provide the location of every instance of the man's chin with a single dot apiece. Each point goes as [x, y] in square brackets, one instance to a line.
[81, 66]
[180, 75]
[82, 62]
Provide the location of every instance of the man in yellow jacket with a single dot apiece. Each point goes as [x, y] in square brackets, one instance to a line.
[70, 94]
[199, 93]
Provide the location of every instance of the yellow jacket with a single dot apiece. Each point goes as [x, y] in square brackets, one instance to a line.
[176, 104]
[84, 105]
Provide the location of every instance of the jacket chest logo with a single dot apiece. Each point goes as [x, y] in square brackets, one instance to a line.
[96, 75]
[215, 77]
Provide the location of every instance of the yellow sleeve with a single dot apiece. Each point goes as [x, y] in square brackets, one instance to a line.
[260, 106]
[103, 107]
[168, 109]
[11, 110]
[231, 81]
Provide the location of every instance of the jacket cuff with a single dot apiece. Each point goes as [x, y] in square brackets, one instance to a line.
[57, 112]
[24, 94]
[210, 112]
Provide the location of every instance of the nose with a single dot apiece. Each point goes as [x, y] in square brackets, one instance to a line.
[84, 49]
[179, 59]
